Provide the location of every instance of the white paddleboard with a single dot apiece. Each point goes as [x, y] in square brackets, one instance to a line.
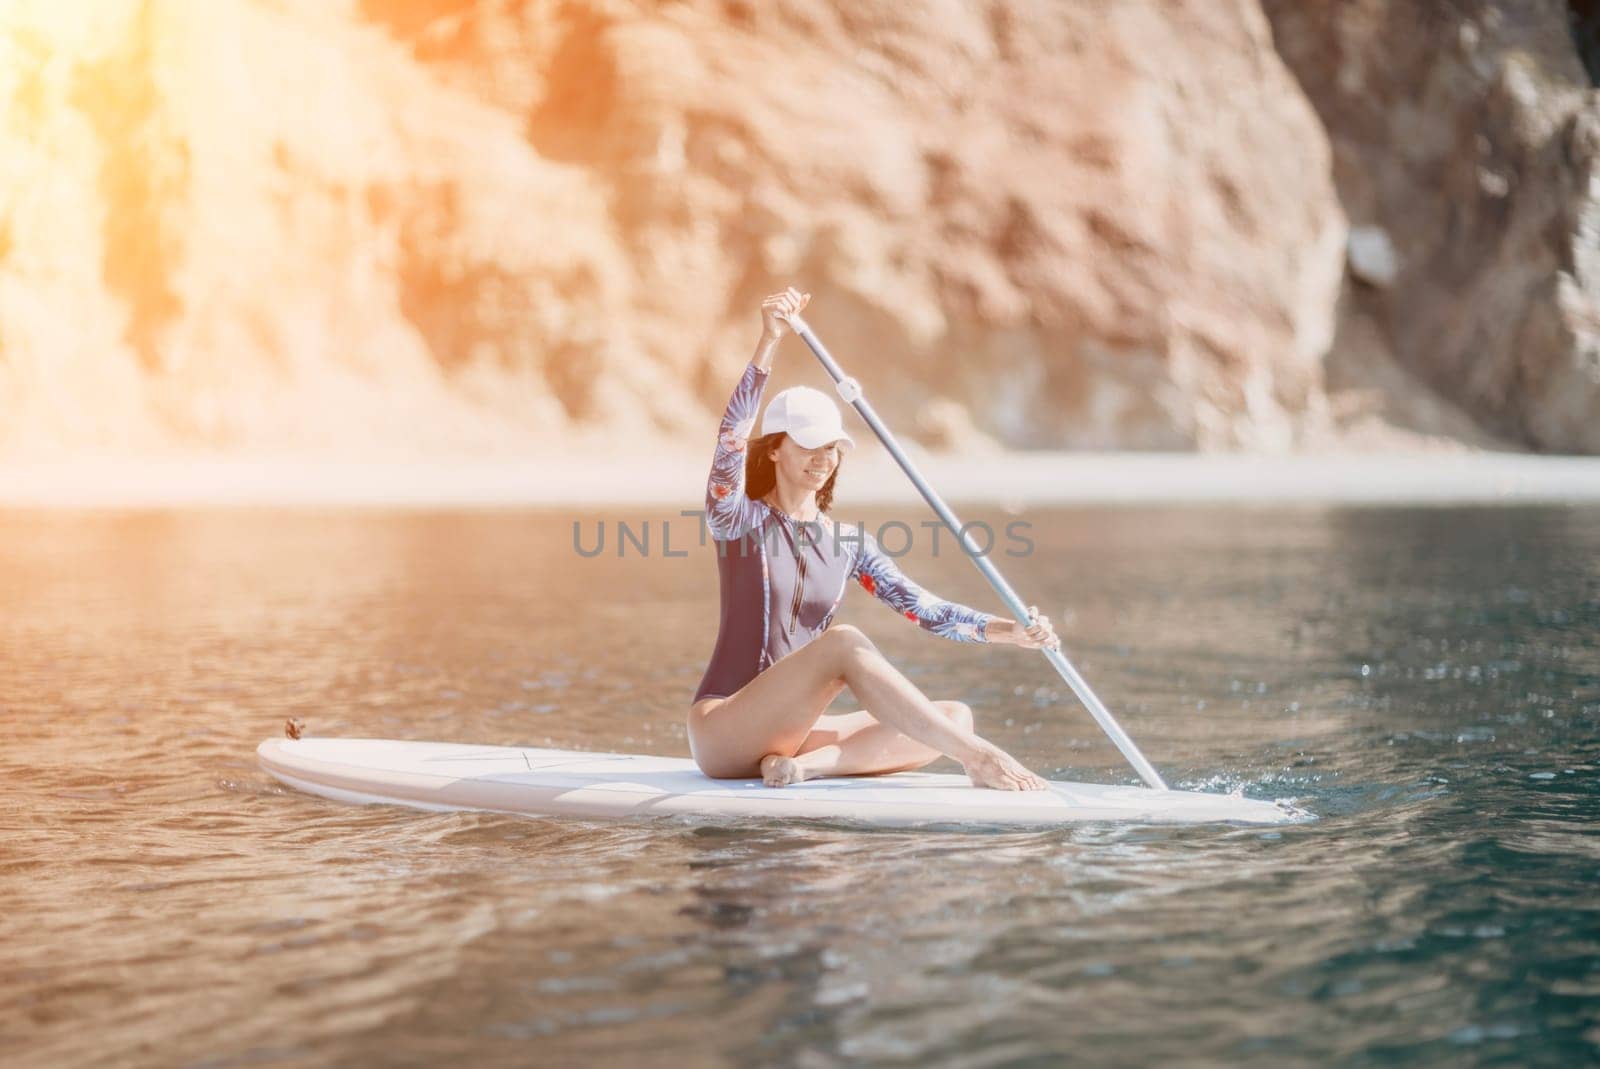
[514, 779]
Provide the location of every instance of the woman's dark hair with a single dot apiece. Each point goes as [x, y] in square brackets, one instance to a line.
[761, 474]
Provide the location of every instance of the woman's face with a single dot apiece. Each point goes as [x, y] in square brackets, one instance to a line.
[808, 469]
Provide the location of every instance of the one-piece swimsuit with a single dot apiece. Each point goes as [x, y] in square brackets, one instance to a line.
[782, 579]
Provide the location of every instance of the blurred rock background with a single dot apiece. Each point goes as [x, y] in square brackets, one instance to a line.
[402, 228]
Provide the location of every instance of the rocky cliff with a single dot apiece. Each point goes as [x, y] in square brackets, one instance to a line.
[1467, 156]
[453, 227]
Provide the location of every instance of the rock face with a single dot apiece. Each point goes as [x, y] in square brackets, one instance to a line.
[1075, 219]
[439, 226]
[1468, 134]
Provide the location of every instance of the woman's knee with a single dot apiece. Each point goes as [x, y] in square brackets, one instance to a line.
[845, 640]
[847, 651]
[958, 713]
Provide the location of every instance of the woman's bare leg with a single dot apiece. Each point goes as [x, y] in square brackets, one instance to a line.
[858, 744]
[775, 712]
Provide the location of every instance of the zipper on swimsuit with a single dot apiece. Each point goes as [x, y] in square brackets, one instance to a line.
[799, 588]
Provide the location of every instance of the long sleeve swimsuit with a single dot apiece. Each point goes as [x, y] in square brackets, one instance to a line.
[782, 580]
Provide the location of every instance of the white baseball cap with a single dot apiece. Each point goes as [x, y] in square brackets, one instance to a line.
[808, 416]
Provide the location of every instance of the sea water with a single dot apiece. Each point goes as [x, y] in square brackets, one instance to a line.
[1427, 680]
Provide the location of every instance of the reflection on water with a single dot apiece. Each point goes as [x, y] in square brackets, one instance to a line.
[1429, 680]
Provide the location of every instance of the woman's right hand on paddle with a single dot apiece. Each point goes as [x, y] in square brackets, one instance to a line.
[778, 306]
[1039, 634]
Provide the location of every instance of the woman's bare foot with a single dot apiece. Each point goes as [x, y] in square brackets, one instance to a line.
[998, 770]
[780, 771]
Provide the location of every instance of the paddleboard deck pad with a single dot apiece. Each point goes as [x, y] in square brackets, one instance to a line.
[537, 782]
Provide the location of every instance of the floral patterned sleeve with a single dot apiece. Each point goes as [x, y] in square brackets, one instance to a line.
[729, 514]
[878, 574]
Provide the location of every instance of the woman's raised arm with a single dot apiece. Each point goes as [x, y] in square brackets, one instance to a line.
[729, 514]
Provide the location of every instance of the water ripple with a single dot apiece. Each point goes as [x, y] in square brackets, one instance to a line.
[1442, 726]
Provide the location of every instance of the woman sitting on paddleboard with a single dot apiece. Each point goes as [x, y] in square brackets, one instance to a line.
[784, 567]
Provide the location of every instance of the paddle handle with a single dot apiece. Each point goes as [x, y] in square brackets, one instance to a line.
[850, 392]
